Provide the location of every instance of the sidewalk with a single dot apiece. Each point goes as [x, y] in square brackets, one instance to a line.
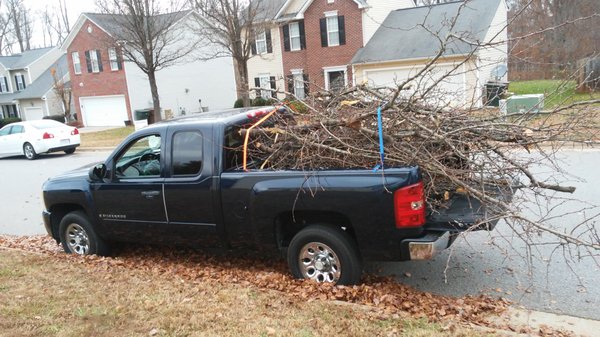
[540, 321]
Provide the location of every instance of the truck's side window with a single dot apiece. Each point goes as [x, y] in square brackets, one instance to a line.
[141, 159]
[187, 153]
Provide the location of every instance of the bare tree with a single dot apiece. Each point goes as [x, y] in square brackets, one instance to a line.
[146, 33]
[20, 21]
[56, 24]
[5, 29]
[63, 90]
[233, 24]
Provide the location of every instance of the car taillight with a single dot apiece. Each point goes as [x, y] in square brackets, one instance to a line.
[256, 114]
[409, 206]
[47, 135]
[74, 132]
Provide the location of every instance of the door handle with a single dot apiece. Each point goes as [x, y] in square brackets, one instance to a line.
[150, 194]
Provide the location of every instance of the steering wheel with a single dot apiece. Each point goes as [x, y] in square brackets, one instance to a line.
[148, 156]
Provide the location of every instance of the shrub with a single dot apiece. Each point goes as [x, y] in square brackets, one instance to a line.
[58, 118]
[9, 120]
[239, 103]
[259, 101]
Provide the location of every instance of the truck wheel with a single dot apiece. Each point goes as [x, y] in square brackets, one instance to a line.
[77, 236]
[325, 254]
[29, 151]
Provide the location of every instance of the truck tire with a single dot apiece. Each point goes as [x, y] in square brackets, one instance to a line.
[77, 236]
[325, 254]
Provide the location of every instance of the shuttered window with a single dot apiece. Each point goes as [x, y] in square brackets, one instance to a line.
[76, 62]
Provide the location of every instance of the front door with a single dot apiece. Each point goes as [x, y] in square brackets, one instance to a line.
[130, 202]
[189, 188]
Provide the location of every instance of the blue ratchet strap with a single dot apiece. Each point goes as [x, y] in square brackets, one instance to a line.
[380, 131]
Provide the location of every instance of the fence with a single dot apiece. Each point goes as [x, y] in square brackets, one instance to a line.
[588, 76]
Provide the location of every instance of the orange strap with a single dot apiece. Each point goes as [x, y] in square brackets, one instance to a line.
[248, 135]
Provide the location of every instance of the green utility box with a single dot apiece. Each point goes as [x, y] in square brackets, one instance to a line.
[532, 103]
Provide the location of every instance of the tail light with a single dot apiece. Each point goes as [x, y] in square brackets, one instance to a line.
[409, 206]
[256, 113]
[74, 132]
[47, 135]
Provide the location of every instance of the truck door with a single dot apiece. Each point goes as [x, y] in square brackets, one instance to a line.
[130, 205]
[189, 186]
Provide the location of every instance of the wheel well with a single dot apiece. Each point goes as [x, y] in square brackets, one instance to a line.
[288, 224]
[58, 212]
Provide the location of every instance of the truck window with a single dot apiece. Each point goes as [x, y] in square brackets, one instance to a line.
[232, 152]
[187, 153]
[141, 159]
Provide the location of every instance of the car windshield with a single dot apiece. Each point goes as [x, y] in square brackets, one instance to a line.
[45, 124]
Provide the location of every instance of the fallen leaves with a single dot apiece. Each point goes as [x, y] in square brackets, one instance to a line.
[268, 272]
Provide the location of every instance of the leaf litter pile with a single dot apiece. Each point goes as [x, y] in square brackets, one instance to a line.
[248, 268]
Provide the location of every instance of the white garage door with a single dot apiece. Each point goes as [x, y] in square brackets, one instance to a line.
[32, 114]
[451, 89]
[103, 110]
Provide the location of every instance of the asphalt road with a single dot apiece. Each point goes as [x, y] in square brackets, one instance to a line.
[494, 263]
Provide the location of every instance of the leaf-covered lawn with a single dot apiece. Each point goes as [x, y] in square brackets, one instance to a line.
[557, 92]
[148, 291]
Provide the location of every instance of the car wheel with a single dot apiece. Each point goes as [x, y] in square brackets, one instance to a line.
[29, 151]
[77, 236]
[325, 254]
[69, 151]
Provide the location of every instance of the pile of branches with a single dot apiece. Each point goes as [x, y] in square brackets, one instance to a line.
[472, 151]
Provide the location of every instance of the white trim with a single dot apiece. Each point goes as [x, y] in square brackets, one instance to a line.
[297, 71]
[297, 24]
[300, 14]
[427, 59]
[330, 13]
[327, 70]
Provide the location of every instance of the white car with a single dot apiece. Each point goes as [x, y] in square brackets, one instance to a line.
[34, 137]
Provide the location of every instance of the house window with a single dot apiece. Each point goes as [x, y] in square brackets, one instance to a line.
[261, 43]
[76, 62]
[299, 84]
[265, 83]
[295, 36]
[3, 84]
[114, 61]
[20, 81]
[335, 79]
[333, 32]
[94, 59]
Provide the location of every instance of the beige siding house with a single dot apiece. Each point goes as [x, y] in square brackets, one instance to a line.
[401, 48]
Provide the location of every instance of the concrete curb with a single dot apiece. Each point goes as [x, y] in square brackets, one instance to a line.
[95, 149]
[516, 317]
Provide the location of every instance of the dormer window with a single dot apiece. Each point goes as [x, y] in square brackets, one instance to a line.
[20, 81]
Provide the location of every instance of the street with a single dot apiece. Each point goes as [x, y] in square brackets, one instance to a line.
[494, 263]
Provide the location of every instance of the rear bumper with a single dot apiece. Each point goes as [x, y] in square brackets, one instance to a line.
[426, 247]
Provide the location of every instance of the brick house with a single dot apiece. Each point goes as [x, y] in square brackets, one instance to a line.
[107, 89]
[317, 40]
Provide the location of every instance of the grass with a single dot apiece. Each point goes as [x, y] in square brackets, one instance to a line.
[106, 138]
[557, 92]
[44, 295]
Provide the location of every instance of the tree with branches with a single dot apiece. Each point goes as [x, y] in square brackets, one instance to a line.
[233, 24]
[21, 25]
[147, 36]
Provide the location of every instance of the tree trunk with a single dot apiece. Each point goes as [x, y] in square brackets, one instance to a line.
[243, 88]
[155, 98]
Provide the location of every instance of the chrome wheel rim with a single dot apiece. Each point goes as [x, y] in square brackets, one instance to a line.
[77, 239]
[319, 262]
[28, 151]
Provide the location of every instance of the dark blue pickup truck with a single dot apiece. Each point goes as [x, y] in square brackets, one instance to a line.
[181, 181]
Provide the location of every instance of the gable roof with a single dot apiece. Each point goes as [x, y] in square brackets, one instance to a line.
[267, 9]
[281, 15]
[24, 59]
[45, 82]
[111, 23]
[412, 33]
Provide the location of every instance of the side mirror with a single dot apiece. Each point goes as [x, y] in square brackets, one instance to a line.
[97, 172]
